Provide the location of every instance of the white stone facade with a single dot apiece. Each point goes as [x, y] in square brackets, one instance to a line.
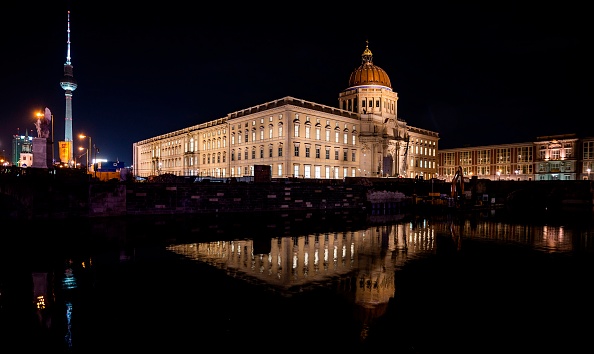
[301, 139]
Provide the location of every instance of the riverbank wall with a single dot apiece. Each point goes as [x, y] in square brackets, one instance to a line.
[51, 197]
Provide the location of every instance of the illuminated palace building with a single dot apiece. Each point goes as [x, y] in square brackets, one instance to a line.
[297, 138]
[363, 137]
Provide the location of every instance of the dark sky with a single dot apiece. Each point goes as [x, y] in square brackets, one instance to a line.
[477, 75]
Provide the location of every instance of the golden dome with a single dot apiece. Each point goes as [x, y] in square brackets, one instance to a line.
[369, 74]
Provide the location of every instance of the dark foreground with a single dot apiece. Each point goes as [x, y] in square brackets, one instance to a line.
[462, 293]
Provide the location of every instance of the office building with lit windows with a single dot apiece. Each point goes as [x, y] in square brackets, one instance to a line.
[361, 137]
[557, 157]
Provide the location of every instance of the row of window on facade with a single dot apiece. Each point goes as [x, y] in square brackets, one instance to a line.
[175, 150]
[483, 157]
[347, 105]
[299, 170]
[524, 154]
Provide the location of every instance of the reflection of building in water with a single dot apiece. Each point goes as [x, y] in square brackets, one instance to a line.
[295, 263]
[543, 237]
[360, 264]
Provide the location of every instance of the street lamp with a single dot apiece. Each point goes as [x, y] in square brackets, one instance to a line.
[82, 136]
[87, 153]
[499, 175]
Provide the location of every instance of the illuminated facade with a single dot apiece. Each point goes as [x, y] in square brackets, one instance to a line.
[20, 143]
[558, 157]
[494, 162]
[362, 138]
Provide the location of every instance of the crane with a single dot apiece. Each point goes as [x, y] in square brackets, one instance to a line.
[458, 183]
[405, 158]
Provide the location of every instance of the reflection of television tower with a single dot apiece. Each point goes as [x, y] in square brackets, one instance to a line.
[68, 84]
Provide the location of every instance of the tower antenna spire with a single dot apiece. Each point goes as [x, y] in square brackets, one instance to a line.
[68, 41]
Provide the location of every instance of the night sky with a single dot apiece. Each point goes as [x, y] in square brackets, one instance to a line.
[477, 75]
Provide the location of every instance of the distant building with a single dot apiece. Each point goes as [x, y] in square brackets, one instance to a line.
[26, 159]
[302, 139]
[556, 157]
[17, 147]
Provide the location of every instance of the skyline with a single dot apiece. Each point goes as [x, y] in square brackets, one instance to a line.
[146, 72]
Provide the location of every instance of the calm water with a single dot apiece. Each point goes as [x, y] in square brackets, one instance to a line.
[406, 284]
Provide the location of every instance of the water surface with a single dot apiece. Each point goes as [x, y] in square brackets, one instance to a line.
[410, 284]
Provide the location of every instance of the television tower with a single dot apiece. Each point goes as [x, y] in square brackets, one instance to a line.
[68, 84]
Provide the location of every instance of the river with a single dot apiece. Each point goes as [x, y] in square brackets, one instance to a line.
[481, 282]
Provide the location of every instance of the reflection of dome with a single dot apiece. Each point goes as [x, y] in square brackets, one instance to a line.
[369, 74]
[367, 314]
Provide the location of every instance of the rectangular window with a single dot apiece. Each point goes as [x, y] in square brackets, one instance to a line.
[307, 148]
[296, 132]
[280, 170]
[525, 154]
[307, 171]
[502, 155]
[465, 158]
[261, 153]
[327, 153]
[483, 157]
[270, 152]
[345, 155]
[589, 150]
[297, 150]
[448, 159]
[336, 155]
[296, 171]
[280, 151]
[246, 154]
[317, 152]
[354, 155]
[317, 172]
